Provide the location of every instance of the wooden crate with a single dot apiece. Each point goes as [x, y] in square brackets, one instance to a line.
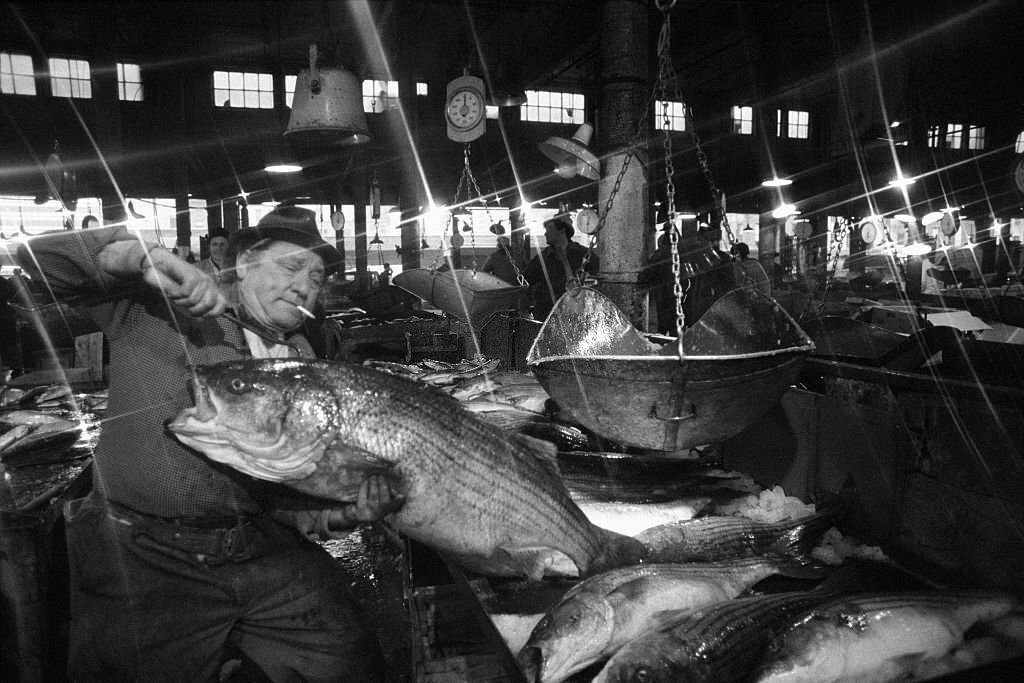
[447, 644]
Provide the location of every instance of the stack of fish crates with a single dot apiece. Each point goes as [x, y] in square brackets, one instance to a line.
[447, 645]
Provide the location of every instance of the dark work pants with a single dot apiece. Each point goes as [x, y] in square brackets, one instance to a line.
[143, 609]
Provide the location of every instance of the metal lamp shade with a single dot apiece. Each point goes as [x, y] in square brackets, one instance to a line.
[571, 155]
[331, 103]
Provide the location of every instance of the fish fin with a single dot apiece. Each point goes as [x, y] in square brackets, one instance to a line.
[799, 540]
[617, 550]
[532, 562]
[800, 568]
[545, 451]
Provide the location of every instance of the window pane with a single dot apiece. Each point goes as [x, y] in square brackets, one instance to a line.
[58, 68]
[289, 89]
[220, 80]
[266, 100]
[235, 80]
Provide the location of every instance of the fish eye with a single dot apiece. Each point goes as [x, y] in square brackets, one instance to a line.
[238, 385]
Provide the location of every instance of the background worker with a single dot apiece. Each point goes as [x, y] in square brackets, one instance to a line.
[749, 272]
[177, 562]
[213, 265]
[548, 272]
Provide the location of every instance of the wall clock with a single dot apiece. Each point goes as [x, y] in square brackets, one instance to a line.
[465, 109]
[586, 221]
[868, 232]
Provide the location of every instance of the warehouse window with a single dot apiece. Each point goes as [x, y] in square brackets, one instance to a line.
[17, 76]
[421, 89]
[546, 106]
[129, 82]
[794, 124]
[70, 78]
[743, 120]
[934, 136]
[954, 135]
[243, 90]
[669, 115]
[1018, 146]
[976, 137]
[379, 96]
[289, 89]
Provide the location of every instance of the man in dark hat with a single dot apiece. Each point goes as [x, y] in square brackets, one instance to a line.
[549, 271]
[214, 264]
[176, 562]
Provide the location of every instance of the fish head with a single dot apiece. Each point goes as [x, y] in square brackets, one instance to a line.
[570, 637]
[270, 418]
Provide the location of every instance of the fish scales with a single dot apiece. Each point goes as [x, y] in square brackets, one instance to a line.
[706, 538]
[604, 612]
[450, 447]
[879, 636]
[716, 644]
[493, 500]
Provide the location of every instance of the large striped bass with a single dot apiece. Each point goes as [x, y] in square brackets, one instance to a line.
[876, 637]
[604, 612]
[721, 537]
[491, 500]
[719, 643]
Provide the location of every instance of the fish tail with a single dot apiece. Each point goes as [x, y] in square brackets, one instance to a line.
[799, 540]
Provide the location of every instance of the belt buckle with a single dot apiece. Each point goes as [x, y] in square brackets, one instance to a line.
[234, 543]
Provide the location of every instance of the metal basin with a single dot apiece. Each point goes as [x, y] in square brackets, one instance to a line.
[735, 364]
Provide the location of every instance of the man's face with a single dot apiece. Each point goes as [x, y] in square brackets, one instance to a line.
[218, 245]
[555, 236]
[273, 281]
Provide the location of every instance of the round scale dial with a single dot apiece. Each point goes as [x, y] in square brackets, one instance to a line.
[465, 108]
[868, 232]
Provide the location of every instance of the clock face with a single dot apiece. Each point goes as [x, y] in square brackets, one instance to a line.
[868, 232]
[465, 108]
[586, 221]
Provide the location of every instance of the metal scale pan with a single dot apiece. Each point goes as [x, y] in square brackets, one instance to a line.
[467, 295]
[737, 361]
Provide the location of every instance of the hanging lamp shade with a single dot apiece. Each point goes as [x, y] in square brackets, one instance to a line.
[572, 155]
[328, 104]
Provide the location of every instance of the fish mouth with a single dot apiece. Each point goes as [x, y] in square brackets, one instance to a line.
[531, 662]
[274, 458]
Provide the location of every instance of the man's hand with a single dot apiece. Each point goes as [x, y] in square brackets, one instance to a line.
[184, 284]
[376, 500]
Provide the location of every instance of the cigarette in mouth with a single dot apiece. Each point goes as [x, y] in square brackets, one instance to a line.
[305, 312]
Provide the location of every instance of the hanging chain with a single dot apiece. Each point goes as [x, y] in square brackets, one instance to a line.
[665, 72]
[839, 233]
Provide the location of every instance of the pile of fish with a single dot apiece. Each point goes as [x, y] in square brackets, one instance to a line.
[438, 372]
[39, 423]
[682, 601]
[514, 401]
[23, 431]
[718, 621]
